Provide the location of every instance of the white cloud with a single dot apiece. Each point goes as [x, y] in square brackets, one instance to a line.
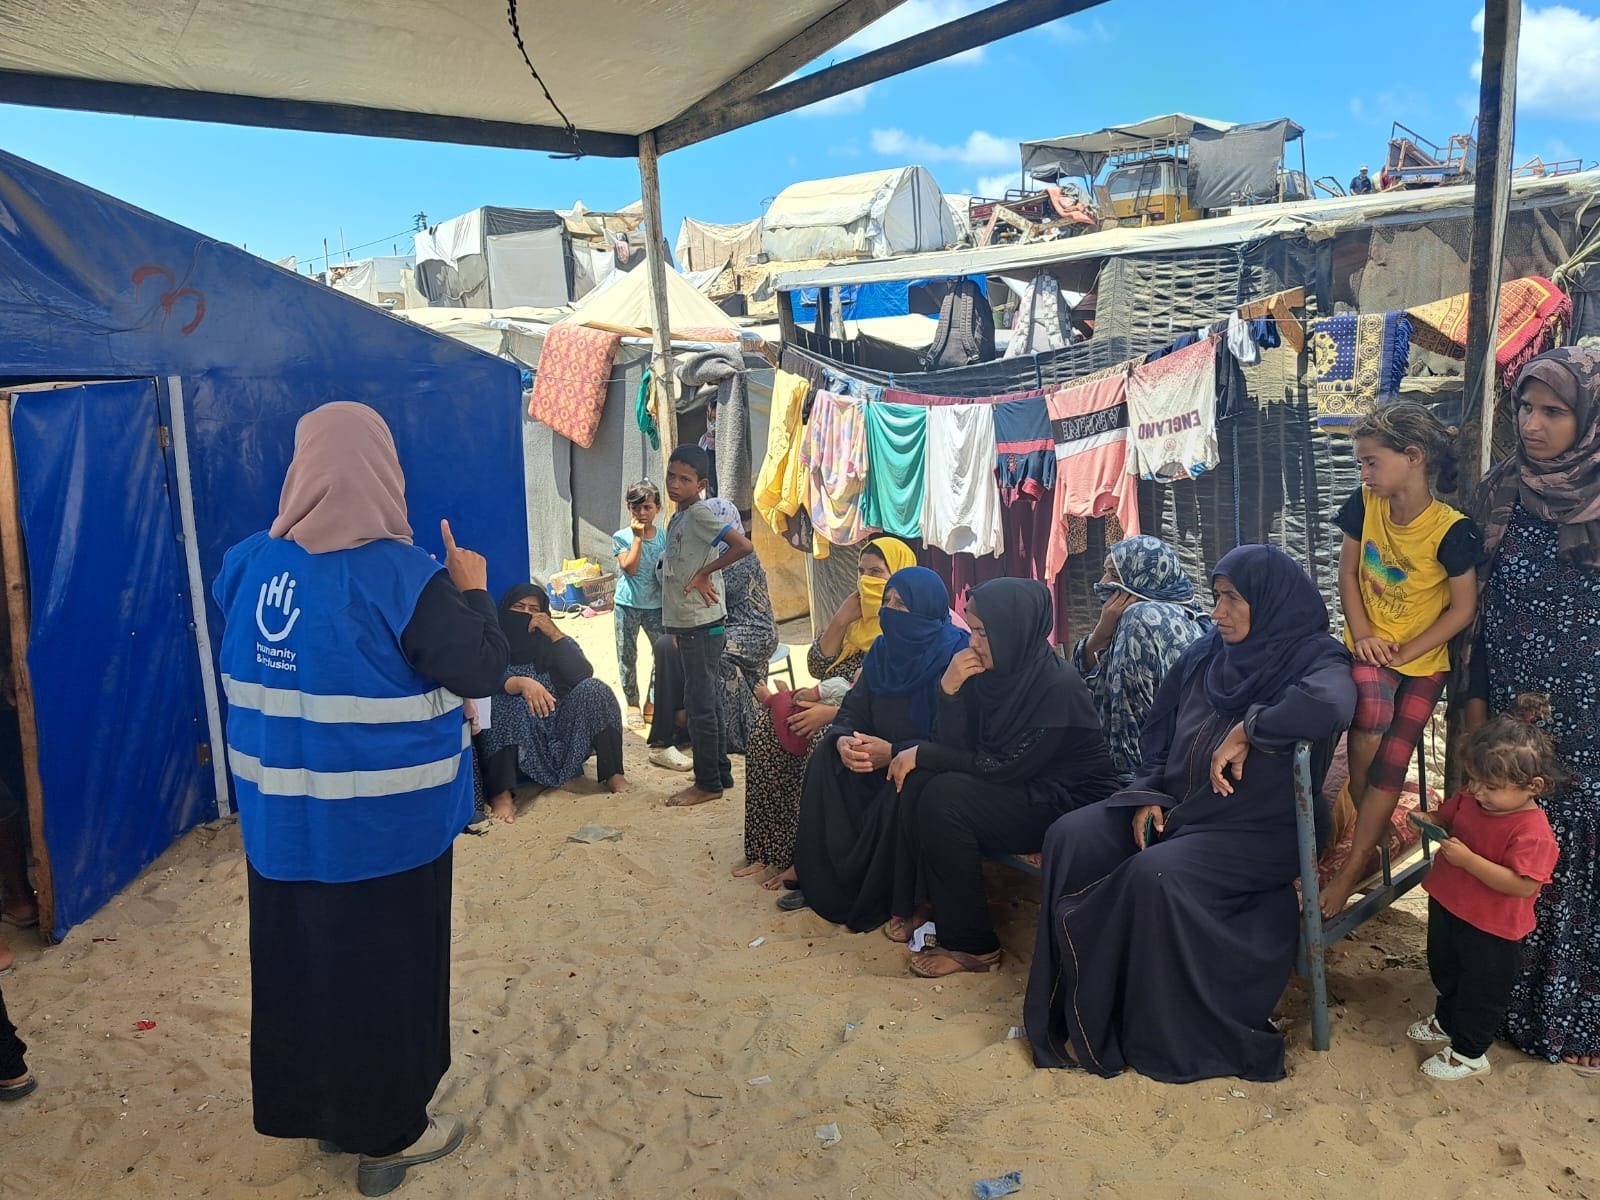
[911, 18]
[981, 149]
[1558, 61]
[994, 186]
[1358, 110]
[1070, 33]
[838, 106]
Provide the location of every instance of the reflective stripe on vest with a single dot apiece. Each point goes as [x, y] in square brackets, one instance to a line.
[347, 785]
[338, 710]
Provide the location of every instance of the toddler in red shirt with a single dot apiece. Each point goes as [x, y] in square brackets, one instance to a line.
[1499, 853]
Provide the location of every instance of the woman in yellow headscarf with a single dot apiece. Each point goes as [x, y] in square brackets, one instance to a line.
[775, 759]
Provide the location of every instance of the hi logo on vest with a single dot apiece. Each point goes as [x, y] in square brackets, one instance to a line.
[276, 615]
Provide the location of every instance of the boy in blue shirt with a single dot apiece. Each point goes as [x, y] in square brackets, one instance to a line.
[638, 600]
[692, 610]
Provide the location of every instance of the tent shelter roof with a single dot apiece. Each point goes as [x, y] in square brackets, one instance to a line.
[438, 57]
[629, 304]
[1085, 153]
[1313, 219]
[452, 70]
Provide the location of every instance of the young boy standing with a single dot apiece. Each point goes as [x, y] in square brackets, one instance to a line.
[638, 601]
[692, 610]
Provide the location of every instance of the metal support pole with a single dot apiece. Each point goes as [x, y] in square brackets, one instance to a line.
[655, 238]
[1491, 201]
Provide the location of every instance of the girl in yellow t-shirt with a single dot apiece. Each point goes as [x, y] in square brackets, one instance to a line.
[1408, 583]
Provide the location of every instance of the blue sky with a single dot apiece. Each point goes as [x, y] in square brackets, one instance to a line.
[1345, 71]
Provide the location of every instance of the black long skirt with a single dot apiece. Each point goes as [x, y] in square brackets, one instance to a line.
[1168, 960]
[350, 985]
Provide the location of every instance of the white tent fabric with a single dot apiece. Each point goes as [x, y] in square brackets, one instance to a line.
[374, 280]
[878, 214]
[483, 328]
[703, 246]
[615, 66]
[627, 303]
[1315, 219]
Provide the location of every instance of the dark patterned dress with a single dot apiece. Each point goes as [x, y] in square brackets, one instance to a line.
[1541, 624]
[553, 749]
[752, 636]
[1149, 639]
[773, 776]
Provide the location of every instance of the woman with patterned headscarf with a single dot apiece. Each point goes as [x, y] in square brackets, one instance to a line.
[1538, 621]
[1148, 617]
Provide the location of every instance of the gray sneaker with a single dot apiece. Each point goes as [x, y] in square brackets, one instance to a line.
[380, 1176]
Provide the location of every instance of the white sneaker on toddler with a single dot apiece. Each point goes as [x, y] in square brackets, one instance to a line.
[1450, 1066]
[1427, 1031]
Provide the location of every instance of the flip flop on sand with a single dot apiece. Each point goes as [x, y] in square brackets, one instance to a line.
[20, 922]
[17, 1091]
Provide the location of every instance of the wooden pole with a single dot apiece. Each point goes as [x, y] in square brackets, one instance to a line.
[1491, 201]
[16, 587]
[666, 388]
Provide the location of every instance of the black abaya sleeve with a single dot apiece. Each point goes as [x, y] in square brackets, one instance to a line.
[454, 639]
[568, 665]
[1316, 709]
[855, 713]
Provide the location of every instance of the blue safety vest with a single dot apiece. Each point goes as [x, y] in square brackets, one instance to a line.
[347, 764]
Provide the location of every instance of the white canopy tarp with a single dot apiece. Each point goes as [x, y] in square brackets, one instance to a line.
[878, 214]
[372, 279]
[615, 66]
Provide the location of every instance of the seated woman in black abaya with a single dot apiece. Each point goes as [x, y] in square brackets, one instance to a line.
[1016, 744]
[847, 841]
[1169, 919]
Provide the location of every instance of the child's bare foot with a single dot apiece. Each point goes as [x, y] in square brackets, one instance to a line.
[747, 868]
[619, 783]
[690, 796]
[762, 693]
[779, 685]
[7, 959]
[503, 808]
[787, 875]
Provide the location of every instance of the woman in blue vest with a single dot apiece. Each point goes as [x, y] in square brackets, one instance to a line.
[345, 654]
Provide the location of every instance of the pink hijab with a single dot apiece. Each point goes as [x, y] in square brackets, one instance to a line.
[344, 487]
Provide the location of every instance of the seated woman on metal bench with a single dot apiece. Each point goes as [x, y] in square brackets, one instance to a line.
[1169, 920]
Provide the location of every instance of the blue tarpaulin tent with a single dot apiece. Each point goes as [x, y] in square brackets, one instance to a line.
[862, 301]
[155, 376]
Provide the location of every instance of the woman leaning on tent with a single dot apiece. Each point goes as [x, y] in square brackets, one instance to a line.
[345, 652]
[1540, 608]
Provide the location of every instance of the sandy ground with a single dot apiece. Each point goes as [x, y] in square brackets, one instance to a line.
[618, 1033]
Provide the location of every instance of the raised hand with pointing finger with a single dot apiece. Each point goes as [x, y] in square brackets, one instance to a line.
[468, 569]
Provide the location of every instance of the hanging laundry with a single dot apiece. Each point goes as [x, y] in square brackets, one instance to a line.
[1089, 424]
[1359, 360]
[1242, 341]
[835, 454]
[1532, 312]
[1280, 308]
[1042, 319]
[782, 485]
[1024, 450]
[897, 440]
[570, 382]
[1172, 414]
[961, 509]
